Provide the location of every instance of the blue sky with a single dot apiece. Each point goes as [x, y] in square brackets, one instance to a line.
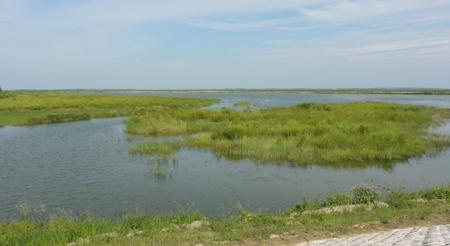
[157, 44]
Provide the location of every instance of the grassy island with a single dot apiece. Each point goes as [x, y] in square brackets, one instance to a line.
[303, 134]
[311, 133]
[33, 108]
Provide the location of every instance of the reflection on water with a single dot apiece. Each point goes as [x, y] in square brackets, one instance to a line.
[85, 166]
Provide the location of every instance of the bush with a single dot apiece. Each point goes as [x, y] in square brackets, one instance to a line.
[398, 199]
[364, 194]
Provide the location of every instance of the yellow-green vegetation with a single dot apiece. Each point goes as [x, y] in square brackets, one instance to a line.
[305, 221]
[157, 148]
[304, 134]
[20, 108]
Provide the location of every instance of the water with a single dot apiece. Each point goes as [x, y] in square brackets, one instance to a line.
[271, 99]
[85, 166]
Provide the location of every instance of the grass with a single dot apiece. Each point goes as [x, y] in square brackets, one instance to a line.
[312, 133]
[162, 149]
[354, 133]
[32, 108]
[244, 228]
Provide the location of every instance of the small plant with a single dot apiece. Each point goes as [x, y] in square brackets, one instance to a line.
[24, 210]
[306, 205]
[338, 199]
[162, 149]
[159, 173]
[437, 193]
[398, 199]
[364, 194]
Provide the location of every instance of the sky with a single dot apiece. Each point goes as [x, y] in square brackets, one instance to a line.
[213, 44]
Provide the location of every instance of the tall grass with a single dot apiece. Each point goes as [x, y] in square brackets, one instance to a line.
[162, 149]
[304, 134]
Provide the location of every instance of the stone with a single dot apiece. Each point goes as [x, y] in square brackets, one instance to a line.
[107, 235]
[135, 233]
[195, 225]
[275, 236]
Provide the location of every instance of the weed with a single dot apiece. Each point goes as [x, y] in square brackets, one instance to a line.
[363, 194]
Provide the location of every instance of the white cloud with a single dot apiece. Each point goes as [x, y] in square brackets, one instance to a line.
[352, 10]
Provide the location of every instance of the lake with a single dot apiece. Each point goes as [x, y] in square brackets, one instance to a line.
[85, 167]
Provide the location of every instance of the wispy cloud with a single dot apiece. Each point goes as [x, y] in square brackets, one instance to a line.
[351, 10]
[424, 47]
[204, 40]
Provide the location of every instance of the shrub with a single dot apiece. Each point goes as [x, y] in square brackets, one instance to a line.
[364, 194]
[398, 199]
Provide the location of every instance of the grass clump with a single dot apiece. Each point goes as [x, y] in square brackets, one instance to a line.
[364, 194]
[157, 148]
[312, 133]
[338, 200]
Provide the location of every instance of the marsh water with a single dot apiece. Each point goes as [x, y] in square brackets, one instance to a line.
[85, 167]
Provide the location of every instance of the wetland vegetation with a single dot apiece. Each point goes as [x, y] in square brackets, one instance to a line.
[308, 220]
[307, 133]
[32, 108]
[328, 134]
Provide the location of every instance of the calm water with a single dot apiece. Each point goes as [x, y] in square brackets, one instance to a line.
[269, 99]
[85, 166]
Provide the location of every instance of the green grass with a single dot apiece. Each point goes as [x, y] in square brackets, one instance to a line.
[245, 227]
[313, 133]
[26, 108]
[353, 134]
[162, 149]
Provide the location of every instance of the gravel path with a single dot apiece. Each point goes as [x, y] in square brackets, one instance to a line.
[427, 236]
